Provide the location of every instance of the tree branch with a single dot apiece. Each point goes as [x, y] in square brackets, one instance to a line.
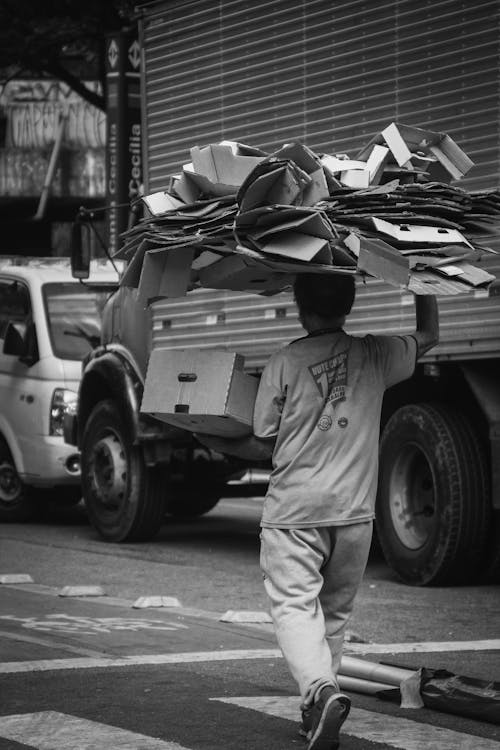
[58, 71]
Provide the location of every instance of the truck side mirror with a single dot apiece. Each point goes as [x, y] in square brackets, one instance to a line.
[80, 249]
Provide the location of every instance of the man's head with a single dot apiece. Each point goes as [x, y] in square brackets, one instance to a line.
[323, 300]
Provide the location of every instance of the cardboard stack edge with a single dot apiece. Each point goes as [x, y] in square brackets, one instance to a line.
[240, 219]
[389, 213]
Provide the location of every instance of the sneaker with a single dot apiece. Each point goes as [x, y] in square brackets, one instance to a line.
[322, 721]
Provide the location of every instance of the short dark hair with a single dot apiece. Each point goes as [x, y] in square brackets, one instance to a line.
[327, 295]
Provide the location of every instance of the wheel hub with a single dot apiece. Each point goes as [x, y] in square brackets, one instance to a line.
[10, 484]
[412, 500]
[109, 466]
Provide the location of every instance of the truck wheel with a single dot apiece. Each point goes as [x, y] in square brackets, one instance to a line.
[432, 505]
[124, 498]
[16, 500]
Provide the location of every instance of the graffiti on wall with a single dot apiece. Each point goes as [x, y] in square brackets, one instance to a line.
[33, 108]
[79, 172]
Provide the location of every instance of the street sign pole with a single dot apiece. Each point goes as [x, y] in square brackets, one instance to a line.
[123, 156]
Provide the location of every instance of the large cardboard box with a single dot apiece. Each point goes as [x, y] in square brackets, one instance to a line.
[200, 390]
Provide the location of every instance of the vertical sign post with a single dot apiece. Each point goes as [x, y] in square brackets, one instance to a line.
[123, 157]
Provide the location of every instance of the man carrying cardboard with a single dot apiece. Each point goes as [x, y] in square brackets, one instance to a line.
[317, 414]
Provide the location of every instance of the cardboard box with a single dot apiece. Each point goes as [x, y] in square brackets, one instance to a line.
[159, 203]
[239, 274]
[185, 187]
[379, 259]
[165, 273]
[335, 165]
[132, 273]
[468, 273]
[296, 246]
[277, 186]
[450, 158]
[376, 162]
[218, 169]
[200, 390]
[449, 161]
[355, 178]
[421, 234]
[297, 233]
[292, 266]
[305, 159]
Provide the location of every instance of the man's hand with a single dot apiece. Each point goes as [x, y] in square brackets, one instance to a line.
[250, 448]
[427, 319]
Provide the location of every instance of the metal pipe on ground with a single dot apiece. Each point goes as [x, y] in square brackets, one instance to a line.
[373, 671]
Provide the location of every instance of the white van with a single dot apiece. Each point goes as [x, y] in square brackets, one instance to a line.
[48, 324]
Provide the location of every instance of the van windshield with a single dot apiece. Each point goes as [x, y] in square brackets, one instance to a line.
[74, 315]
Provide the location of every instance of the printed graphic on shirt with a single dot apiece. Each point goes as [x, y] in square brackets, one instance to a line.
[330, 376]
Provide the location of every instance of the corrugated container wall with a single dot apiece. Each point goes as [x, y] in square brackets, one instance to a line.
[330, 74]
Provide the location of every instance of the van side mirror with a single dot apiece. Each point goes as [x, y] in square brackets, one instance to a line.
[14, 342]
[22, 346]
[80, 249]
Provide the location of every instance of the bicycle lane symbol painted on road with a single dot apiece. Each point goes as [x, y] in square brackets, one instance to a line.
[71, 624]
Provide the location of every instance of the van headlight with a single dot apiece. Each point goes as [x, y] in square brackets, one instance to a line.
[63, 402]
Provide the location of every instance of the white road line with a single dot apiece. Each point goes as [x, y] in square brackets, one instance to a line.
[50, 730]
[422, 647]
[367, 725]
[46, 665]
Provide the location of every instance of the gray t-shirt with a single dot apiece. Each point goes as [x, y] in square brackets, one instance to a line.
[321, 398]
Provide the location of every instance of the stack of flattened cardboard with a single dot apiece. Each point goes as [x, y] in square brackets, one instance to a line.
[238, 218]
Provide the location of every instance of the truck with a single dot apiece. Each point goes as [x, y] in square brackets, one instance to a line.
[330, 75]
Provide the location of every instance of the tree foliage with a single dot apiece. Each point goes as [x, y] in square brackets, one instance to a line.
[62, 39]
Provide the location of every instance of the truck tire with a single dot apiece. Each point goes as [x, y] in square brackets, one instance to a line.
[124, 498]
[17, 502]
[432, 505]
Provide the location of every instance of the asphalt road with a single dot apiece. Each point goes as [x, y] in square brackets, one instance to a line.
[98, 672]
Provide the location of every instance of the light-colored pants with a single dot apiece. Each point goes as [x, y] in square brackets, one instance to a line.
[311, 576]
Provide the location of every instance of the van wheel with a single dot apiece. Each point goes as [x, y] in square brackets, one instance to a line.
[432, 506]
[16, 501]
[124, 498]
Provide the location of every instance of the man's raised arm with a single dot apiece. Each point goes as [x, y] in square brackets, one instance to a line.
[427, 322]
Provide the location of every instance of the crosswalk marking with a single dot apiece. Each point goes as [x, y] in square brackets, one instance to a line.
[47, 665]
[367, 725]
[95, 662]
[429, 647]
[51, 730]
